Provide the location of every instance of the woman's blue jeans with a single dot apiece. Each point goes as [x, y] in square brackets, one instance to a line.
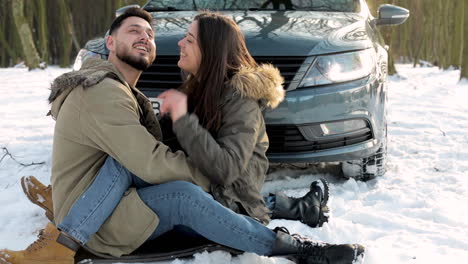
[176, 203]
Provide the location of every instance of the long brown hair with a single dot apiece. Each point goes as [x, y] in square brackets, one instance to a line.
[223, 53]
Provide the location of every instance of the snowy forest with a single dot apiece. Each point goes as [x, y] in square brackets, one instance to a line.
[416, 213]
[53, 31]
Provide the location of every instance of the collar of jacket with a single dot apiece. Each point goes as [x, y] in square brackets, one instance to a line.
[93, 71]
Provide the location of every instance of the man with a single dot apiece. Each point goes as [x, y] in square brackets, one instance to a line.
[100, 113]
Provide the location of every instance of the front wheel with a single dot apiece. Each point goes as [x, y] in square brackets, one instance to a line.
[367, 168]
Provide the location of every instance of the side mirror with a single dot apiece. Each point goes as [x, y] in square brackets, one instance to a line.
[121, 10]
[392, 15]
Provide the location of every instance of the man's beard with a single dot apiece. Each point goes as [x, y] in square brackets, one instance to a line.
[137, 62]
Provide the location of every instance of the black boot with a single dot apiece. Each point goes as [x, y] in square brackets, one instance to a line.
[311, 209]
[305, 251]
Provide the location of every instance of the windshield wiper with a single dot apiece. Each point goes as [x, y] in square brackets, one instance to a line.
[268, 9]
[259, 9]
[156, 9]
[324, 8]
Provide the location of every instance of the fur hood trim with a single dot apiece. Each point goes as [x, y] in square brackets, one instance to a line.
[263, 83]
[93, 71]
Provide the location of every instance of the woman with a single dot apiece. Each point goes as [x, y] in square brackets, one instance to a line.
[225, 133]
[182, 203]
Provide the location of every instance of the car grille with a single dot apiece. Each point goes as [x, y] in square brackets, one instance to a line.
[164, 73]
[288, 66]
[288, 138]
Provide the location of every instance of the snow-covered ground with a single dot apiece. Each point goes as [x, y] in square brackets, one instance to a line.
[416, 213]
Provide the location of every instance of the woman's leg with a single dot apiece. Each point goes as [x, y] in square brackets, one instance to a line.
[183, 203]
[97, 203]
[311, 209]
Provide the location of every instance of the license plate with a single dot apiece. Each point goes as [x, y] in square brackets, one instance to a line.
[156, 102]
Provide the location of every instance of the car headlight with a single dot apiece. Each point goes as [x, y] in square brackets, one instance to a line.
[341, 67]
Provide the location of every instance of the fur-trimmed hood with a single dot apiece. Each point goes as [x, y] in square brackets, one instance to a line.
[93, 71]
[263, 83]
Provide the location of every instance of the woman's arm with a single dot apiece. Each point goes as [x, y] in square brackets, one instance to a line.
[225, 158]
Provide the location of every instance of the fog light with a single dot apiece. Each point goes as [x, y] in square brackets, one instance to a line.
[342, 127]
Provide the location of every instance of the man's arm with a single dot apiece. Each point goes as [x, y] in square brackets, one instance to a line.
[110, 121]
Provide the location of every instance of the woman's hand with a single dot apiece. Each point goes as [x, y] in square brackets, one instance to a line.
[174, 103]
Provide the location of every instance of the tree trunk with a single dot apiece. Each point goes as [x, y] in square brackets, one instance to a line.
[428, 10]
[6, 51]
[31, 56]
[464, 63]
[389, 34]
[457, 42]
[66, 44]
[445, 35]
[418, 29]
[43, 32]
[5, 48]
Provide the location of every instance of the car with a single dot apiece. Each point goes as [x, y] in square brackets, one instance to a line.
[333, 60]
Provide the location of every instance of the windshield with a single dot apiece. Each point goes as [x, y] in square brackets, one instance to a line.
[306, 5]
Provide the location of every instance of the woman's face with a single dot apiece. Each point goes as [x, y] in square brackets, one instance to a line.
[190, 54]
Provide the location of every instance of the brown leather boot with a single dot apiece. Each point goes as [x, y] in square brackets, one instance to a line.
[39, 194]
[52, 247]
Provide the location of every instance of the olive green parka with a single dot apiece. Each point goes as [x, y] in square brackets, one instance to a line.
[235, 158]
[98, 114]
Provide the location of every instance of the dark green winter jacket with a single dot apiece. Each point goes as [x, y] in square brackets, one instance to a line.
[235, 161]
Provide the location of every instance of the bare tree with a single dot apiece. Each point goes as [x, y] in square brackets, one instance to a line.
[464, 64]
[457, 40]
[31, 56]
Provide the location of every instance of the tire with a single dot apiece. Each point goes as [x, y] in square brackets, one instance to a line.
[367, 168]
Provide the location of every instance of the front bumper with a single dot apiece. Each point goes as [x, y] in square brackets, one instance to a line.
[352, 152]
[306, 109]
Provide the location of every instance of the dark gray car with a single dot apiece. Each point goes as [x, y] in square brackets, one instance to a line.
[332, 57]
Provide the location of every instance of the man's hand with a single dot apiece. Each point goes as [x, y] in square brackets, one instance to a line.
[175, 103]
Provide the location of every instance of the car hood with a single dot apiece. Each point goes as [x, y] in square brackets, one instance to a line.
[284, 33]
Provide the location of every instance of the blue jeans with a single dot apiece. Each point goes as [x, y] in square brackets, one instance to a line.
[176, 203]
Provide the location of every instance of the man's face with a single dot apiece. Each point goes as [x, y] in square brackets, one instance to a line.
[133, 43]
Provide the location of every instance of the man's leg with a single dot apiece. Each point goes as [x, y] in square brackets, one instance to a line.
[41, 195]
[52, 247]
[97, 203]
[59, 244]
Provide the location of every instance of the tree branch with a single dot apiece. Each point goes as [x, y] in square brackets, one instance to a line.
[7, 153]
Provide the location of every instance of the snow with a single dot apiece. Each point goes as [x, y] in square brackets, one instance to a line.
[416, 213]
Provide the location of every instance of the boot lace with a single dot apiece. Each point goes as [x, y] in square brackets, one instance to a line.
[308, 250]
[311, 250]
[40, 242]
